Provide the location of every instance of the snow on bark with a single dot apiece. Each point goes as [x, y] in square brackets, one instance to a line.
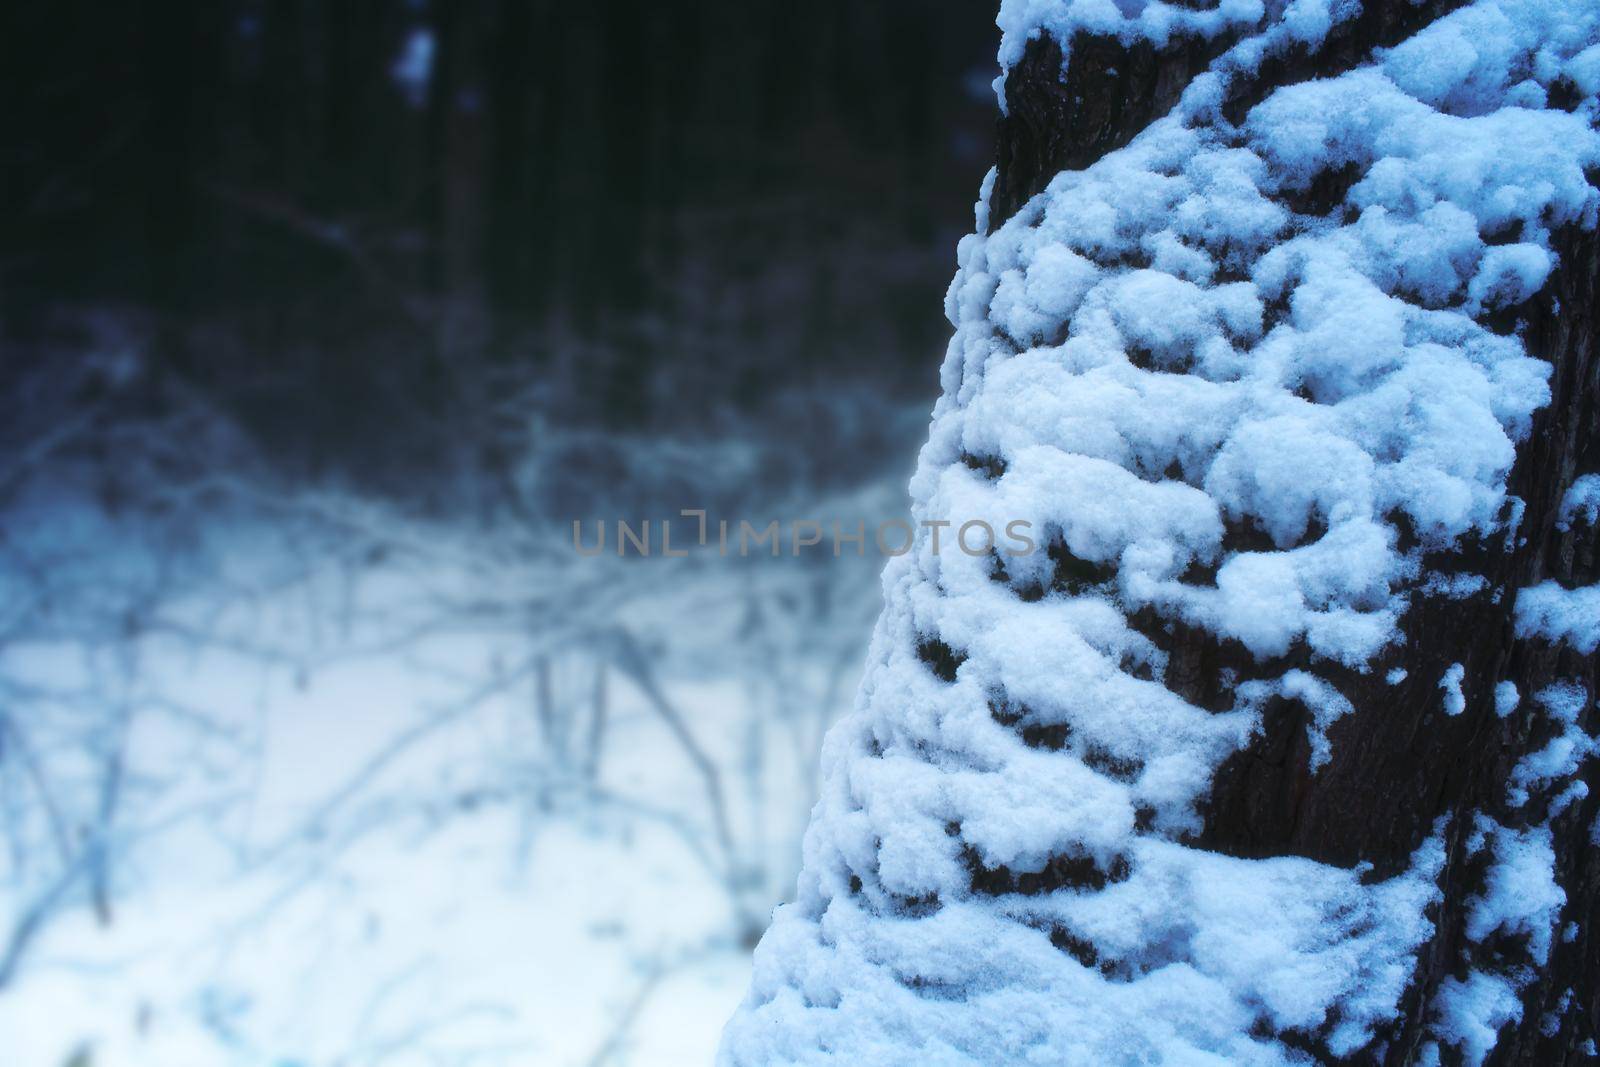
[1550, 611]
[1272, 328]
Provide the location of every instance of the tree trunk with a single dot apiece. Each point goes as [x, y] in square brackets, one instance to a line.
[1397, 763]
[1365, 789]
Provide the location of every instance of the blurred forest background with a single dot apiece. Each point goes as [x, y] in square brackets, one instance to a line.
[319, 322]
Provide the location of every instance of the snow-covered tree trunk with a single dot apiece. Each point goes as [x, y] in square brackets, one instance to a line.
[1279, 329]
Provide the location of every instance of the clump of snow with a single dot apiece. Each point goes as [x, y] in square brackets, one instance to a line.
[1455, 702]
[1520, 899]
[1584, 70]
[1550, 1023]
[1552, 612]
[1470, 1012]
[1454, 586]
[1520, 895]
[413, 67]
[1325, 703]
[1506, 698]
[1219, 402]
[1559, 759]
[1582, 499]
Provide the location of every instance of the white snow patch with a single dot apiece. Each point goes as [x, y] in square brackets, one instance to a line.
[1557, 614]
[1325, 703]
[1471, 1011]
[1520, 897]
[1562, 755]
[1582, 498]
[1454, 586]
[1455, 702]
[1506, 698]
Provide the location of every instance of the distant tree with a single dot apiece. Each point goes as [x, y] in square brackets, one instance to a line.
[1281, 333]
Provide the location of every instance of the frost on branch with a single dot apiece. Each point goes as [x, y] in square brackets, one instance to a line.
[1263, 379]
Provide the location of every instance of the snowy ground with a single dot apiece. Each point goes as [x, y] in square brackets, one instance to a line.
[416, 938]
[376, 851]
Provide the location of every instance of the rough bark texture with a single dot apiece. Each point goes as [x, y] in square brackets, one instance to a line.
[1398, 762]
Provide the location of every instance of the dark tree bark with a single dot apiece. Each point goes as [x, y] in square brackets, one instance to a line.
[1398, 764]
